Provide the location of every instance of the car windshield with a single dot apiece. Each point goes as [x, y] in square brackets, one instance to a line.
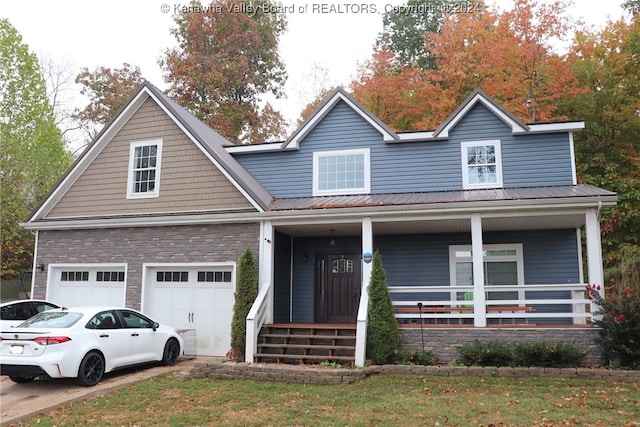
[52, 319]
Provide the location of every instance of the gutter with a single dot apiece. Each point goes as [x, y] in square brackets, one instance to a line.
[320, 214]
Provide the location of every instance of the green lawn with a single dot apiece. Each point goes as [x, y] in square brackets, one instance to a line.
[378, 401]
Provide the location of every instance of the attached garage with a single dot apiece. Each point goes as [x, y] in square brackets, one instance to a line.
[87, 284]
[199, 297]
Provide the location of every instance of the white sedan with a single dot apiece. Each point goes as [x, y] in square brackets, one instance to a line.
[15, 312]
[85, 343]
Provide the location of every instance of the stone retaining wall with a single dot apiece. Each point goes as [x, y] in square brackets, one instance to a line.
[444, 341]
[304, 374]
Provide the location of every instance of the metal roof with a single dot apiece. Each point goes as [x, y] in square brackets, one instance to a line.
[442, 197]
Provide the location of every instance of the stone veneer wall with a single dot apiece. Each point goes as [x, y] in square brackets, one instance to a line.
[444, 341]
[304, 374]
[138, 245]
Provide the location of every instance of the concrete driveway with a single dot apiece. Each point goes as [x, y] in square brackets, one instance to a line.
[19, 401]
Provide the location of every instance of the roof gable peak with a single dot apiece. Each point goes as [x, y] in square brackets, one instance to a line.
[339, 94]
[478, 96]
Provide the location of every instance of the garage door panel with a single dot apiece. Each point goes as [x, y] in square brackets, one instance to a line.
[88, 285]
[172, 307]
[200, 295]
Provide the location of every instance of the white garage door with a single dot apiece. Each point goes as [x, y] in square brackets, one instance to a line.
[199, 298]
[83, 285]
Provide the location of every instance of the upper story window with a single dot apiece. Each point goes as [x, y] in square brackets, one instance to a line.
[481, 165]
[341, 172]
[144, 169]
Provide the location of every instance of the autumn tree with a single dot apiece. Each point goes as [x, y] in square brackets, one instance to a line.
[509, 55]
[608, 150]
[108, 90]
[32, 154]
[632, 6]
[387, 91]
[226, 58]
[404, 28]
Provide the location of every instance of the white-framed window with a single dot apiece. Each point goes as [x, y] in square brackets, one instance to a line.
[503, 265]
[341, 172]
[144, 169]
[481, 164]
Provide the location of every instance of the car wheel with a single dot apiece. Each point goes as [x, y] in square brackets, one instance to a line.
[91, 369]
[171, 352]
[21, 380]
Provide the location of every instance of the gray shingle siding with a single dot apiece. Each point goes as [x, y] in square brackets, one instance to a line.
[528, 160]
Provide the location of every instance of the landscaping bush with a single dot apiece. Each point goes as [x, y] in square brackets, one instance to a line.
[383, 336]
[542, 354]
[413, 357]
[618, 316]
[485, 354]
[245, 295]
[549, 355]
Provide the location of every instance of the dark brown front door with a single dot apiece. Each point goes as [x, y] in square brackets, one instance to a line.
[338, 288]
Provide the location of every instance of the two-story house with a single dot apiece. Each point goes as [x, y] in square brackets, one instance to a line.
[481, 221]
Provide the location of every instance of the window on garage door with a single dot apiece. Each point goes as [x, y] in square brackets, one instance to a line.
[214, 276]
[74, 276]
[95, 284]
[172, 276]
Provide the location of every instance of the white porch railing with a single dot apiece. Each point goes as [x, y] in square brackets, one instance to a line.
[454, 308]
[255, 319]
[361, 328]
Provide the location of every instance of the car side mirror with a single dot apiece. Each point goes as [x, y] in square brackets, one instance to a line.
[156, 325]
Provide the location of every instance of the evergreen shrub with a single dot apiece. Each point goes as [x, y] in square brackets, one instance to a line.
[383, 336]
[245, 295]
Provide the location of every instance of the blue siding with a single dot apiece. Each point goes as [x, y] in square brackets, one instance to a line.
[528, 160]
[304, 271]
[550, 257]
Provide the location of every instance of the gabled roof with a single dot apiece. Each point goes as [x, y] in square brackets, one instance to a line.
[209, 141]
[479, 96]
[327, 105]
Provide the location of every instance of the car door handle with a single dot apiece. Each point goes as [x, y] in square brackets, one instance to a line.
[104, 335]
[135, 334]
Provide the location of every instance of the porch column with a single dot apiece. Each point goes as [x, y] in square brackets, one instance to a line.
[265, 265]
[367, 247]
[363, 308]
[479, 301]
[594, 250]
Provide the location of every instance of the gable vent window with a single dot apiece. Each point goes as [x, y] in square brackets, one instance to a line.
[481, 165]
[341, 172]
[144, 170]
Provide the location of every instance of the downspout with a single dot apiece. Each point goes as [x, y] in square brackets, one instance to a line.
[36, 233]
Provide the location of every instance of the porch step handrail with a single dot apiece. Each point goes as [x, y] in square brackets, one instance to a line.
[361, 327]
[255, 320]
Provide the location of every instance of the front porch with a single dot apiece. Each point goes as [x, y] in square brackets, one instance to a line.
[479, 271]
